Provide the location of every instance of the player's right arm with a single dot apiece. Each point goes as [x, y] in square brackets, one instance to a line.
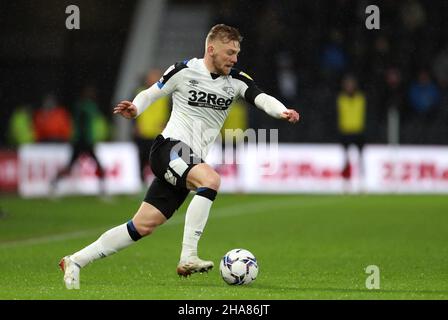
[127, 109]
[145, 98]
[166, 85]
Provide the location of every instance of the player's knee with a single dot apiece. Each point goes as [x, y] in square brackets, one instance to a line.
[145, 229]
[212, 181]
[146, 220]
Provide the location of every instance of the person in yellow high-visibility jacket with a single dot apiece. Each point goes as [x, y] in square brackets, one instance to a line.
[233, 129]
[351, 110]
[235, 124]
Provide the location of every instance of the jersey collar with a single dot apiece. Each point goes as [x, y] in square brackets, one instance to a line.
[204, 68]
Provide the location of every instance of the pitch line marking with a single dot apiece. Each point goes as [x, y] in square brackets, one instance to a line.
[217, 213]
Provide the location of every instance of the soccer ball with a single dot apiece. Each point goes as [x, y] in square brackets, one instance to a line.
[238, 266]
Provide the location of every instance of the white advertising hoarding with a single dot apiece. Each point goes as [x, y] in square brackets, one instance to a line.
[291, 168]
[317, 168]
[39, 164]
[406, 169]
[283, 168]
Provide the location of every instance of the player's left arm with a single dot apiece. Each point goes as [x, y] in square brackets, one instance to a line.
[263, 101]
[275, 108]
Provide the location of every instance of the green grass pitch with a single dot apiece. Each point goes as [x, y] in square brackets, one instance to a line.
[308, 247]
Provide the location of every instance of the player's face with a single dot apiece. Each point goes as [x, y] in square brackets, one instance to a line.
[225, 56]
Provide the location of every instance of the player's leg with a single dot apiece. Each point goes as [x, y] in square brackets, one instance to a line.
[100, 173]
[65, 171]
[206, 182]
[346, 169]
[160, 202]
[99, 167]
[360, 140]
[176, 164]
[144, 222]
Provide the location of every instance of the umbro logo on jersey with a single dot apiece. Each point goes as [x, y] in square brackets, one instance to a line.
[193, 83]
[229, 90]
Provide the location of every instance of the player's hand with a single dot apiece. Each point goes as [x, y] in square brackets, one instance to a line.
[290, 115]
[126, 109]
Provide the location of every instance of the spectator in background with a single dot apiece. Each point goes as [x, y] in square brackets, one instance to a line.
[85, 115]
[380, 57]
[393, 95]
[52, 122]
[413, 15]
[150, 123]
[351, 110]
[20, 129]
[392, 102]
[236, 122]
[424, 95]
[334, 58]
[287, 78]
[393, 87]
[440, 68]
[233, 132]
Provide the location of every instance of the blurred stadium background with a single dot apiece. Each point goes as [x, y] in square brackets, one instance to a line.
[299, 51]
[316, 56]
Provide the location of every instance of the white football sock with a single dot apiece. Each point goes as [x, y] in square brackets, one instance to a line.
[108, 243]
[195, 220]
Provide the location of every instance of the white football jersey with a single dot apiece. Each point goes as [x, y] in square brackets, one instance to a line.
[201, 102]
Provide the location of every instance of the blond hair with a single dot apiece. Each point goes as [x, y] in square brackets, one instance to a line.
[223, 33]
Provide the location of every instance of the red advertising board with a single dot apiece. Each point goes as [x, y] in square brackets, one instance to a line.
[8, 171]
